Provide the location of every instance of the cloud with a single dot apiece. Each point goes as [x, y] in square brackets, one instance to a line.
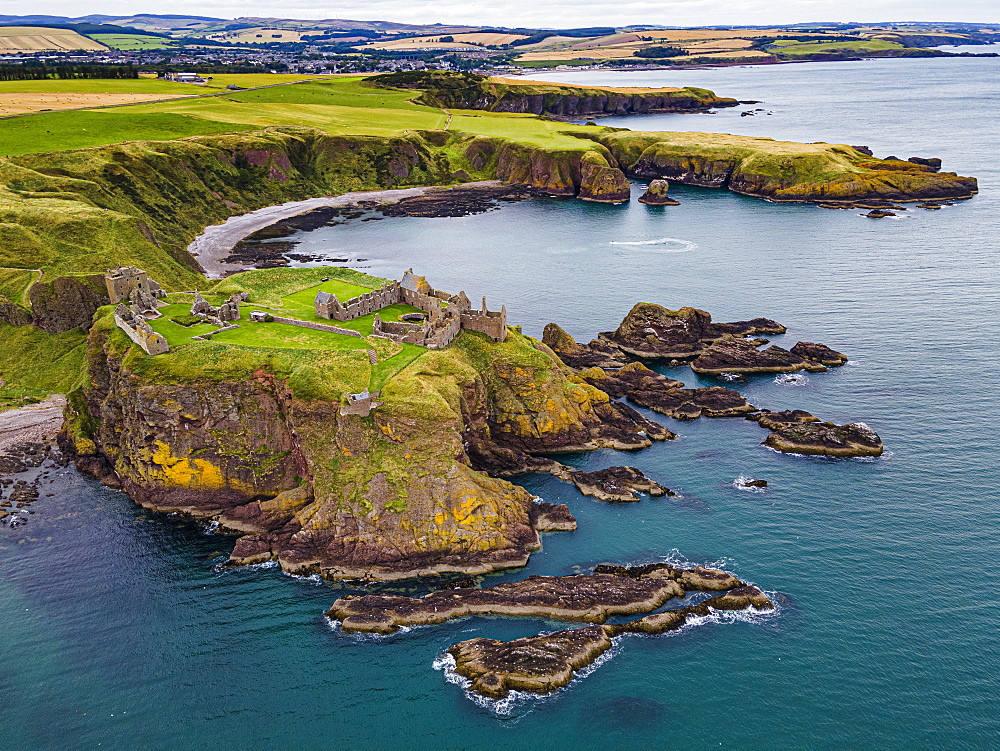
[552, 13]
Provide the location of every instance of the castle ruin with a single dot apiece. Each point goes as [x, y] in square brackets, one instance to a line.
[136, 296]
[445, 316]
[127, 283]
[139, 331]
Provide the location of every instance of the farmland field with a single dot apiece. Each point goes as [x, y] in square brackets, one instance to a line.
[98, 86]
[131, 41]
[20, 104]
[39, 39]
[804, 50]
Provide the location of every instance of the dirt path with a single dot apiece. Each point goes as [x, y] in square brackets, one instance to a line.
[37, 423]
[212, 246]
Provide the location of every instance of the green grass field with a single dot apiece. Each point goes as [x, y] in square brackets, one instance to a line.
[302, 301]
[57, 131]
[285, 336]
[797, 49]
[338, 106]
[175, 334]
[251, 80]
[131, 41]
[100, 86]
[32, 359]
[14, 283]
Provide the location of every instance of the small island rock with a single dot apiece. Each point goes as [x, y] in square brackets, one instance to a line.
[826, 439]
[656, 194]
[617, 484]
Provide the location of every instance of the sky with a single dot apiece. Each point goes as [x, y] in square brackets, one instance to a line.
[543, 13]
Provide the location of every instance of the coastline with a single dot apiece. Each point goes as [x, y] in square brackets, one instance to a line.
[212, 246]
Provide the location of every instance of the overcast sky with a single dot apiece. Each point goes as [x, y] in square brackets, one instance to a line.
[543, 13]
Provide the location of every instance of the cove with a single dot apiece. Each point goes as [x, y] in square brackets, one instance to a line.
[125, 613]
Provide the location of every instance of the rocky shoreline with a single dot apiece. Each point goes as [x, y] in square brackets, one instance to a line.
[212, 249]
[609, 591]
[323, 491]
[547, 662]
[27, 450]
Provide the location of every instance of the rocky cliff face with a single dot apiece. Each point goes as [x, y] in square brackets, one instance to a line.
[779, 171]
[591, 175]
[67, 302]
[388, 496]
[472, 91]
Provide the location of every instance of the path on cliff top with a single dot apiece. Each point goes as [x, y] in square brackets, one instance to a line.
[212, 246]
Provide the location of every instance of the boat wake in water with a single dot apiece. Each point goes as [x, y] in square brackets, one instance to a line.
[662, 245]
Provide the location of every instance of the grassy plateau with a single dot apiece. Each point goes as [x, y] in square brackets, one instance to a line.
[83, 191]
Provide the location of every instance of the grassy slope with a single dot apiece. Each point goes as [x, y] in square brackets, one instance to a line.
[92, 209]
[46, 362]
[341, 106]
[58, 131]
[14, 282]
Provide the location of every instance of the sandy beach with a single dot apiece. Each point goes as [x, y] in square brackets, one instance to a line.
[212, 246]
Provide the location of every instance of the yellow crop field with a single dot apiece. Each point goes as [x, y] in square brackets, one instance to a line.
[39, 39]
[23, 103]
[735, 55]
[263, 34]
[594, 53]
[459, 41]
[613, 89]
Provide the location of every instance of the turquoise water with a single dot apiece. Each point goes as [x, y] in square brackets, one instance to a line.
[118, 629]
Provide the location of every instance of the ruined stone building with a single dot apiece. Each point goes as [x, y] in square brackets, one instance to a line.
[361, 404]
[139, 330]
[127, 283]
[136, 296]
[228, 311]
[445, 315]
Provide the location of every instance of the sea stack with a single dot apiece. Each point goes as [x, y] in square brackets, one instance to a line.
[656, 194]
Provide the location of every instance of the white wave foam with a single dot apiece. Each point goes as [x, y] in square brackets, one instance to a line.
[742, 483]
[335, 625]
[226, 566]
[679, 246]
[791, 379]
[210, 528]
[311, 578]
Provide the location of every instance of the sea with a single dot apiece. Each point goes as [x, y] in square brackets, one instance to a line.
[120, 629]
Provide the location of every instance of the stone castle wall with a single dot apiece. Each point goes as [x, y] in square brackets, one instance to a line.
[141, 333]
[123, 281]
[491, 323]
[317, 326]
[447, 314]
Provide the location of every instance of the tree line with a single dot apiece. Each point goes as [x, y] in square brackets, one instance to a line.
[40, 71]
